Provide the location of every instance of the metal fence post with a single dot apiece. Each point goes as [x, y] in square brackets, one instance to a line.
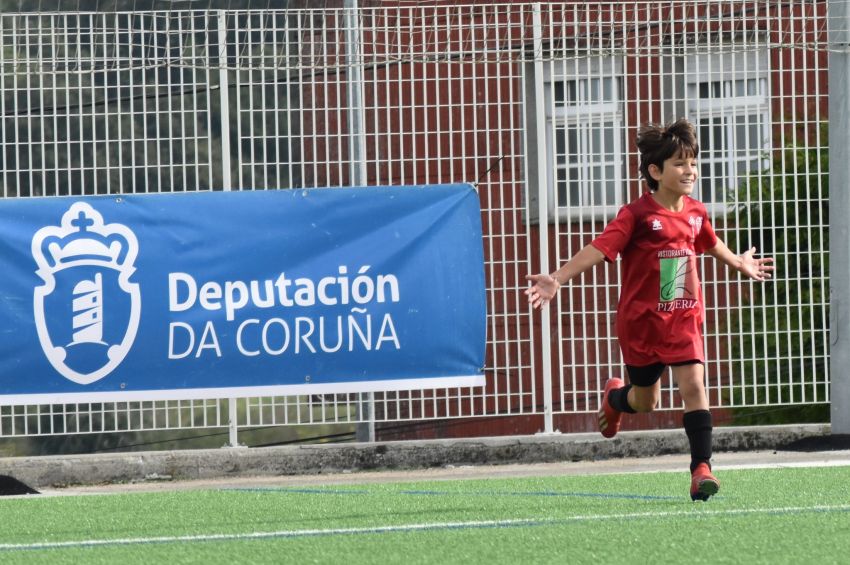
[356, 131]
[839, 210]
[232, 423]
[226, 183]
[543, 213]
[357, 157]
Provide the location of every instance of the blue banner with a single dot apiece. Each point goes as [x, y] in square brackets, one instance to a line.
[225, 294]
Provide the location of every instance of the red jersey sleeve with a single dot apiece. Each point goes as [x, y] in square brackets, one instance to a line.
[616, 235]
[706, 238]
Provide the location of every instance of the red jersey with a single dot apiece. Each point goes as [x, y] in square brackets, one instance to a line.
[660, 313]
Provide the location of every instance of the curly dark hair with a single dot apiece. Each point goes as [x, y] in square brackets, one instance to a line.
[658, 143]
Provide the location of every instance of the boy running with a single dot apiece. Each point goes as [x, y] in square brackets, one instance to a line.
[660, 312]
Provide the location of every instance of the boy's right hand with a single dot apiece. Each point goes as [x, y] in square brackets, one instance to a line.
[543, 289]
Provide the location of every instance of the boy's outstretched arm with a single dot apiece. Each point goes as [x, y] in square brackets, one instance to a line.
[545, 287]
[746, 264]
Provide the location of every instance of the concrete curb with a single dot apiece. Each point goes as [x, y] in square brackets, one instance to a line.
[115, 468]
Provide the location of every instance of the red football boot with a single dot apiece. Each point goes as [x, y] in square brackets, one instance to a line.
[703, 483]
[609, 418]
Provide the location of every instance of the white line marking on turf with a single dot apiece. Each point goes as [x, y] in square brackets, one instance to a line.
[717, 464]
[416, 527]
[787, 465]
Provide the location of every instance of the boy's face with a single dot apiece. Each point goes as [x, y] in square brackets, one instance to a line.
[677, 176]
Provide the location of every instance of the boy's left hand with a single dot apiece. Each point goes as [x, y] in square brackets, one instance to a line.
[757, 269]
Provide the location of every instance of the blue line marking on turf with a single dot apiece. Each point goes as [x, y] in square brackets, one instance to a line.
[299, 490]
[625, 496]
[546, 493]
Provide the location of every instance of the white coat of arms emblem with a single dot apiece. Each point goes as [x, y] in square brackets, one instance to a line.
[87, 311]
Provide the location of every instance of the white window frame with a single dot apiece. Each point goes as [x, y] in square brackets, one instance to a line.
[587, 116]
[724, 72]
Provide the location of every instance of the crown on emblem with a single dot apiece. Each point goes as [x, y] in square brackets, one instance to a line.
[83, 237]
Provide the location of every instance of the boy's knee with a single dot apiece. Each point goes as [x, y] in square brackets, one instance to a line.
[643, 402]
[644, 405]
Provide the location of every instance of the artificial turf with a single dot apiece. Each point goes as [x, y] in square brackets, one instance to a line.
[791, 515]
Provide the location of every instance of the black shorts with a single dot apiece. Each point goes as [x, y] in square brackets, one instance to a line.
[648, 375]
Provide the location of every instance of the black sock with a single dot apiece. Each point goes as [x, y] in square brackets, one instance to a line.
[698, 427]
[619, 399]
